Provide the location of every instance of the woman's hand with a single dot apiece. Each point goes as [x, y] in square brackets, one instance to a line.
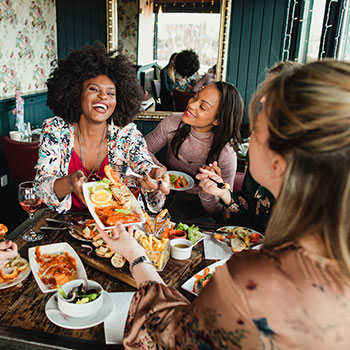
[122, 242]
[70, 183]
[214, 168]
[207, 185]
[8, 250]
[162, 182]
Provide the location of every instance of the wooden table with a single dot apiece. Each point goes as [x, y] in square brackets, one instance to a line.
[23, 323]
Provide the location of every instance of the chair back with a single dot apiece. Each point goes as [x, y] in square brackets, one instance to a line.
[181, 99]
[21, 158]
[156, 89]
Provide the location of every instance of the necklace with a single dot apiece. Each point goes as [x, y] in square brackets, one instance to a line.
[93, 175]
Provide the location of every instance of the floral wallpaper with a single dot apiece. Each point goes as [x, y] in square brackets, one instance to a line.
[127, 28]
[27, 45]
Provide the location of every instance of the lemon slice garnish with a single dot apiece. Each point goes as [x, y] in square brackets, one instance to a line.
[101, 197]
[99, 186]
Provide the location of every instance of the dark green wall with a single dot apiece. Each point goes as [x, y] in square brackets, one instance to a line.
[35, 111]
[80, 22]
[255, 42]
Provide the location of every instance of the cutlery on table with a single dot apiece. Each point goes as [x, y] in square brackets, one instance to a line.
[67, 223]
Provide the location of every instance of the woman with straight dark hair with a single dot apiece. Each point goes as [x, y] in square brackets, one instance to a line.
[208, 131]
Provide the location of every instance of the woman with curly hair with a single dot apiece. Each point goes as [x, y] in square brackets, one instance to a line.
[208, 131]
[293, 293]
[94, 95]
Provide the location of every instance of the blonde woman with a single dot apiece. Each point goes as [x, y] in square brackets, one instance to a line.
[295, 292]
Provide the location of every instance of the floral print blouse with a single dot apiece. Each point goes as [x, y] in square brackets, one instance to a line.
[186, 83]
[283, 298]
[250, 207]
[126, 147]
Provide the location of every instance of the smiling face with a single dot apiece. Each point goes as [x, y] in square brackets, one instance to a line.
[202, 109]
[98, 98]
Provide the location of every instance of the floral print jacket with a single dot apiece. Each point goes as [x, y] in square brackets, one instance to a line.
[126, 147]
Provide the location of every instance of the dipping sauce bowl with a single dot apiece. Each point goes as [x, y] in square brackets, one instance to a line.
[180, 248]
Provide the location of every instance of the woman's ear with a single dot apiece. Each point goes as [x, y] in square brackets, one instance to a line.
[216, 122]
[278, 167]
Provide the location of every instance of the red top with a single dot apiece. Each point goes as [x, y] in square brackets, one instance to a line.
[76, 164]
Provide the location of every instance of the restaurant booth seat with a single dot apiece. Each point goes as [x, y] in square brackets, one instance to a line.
[181, 99]
[21, 158]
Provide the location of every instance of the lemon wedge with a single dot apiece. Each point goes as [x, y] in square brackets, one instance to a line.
[99, 186]
[101, 197]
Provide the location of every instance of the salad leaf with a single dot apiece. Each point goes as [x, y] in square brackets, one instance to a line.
[123, 211]
[60, 289]
[182, 227]
[193, 234]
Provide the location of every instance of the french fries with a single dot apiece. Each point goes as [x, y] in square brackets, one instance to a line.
[156, 249]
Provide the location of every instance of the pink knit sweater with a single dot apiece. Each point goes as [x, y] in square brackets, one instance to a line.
[192, 155]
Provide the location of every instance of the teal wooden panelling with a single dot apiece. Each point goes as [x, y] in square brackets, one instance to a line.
[255, 42]
[80, 22]
[35, 111]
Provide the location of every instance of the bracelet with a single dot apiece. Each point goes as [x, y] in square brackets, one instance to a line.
[205, 200]
[139, 260]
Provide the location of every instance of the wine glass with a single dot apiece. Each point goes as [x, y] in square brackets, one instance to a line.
[30, 201]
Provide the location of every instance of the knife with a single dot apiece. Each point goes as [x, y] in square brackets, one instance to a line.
[59, 221]
[54, 228]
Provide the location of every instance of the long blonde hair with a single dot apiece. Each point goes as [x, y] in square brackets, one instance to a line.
[308, 112]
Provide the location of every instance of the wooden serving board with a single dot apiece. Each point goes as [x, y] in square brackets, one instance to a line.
[173, 271]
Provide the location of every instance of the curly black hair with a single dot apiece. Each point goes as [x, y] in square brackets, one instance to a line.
[186, 63]
[66, 82]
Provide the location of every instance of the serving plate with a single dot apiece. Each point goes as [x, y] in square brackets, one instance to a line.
[188, 285]
[135, 207]
[21, 277]
[59, 319]
[228, 230]
[56, 248]
[190, 181]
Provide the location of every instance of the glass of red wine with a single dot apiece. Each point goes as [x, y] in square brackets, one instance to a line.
[30, 201]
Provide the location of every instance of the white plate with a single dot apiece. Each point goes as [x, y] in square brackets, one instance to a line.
[227, 229]
[21, 276]
[135, 207]
[52, 249]
[188, 285]
[188, 178]
[61, 320]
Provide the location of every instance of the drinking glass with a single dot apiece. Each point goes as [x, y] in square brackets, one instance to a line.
[29, 200]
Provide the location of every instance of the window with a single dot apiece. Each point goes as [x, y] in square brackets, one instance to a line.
[181, 31]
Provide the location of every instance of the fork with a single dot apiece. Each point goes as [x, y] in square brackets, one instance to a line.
[127, 171]
[219, 184]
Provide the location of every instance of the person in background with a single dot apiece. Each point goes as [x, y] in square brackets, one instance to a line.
[252, 205]
[95, 95]
[206, 79]
[294, 292]
[186, 72]
[208, 131]
[167, 84]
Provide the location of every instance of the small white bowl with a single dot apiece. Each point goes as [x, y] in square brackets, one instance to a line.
[79, 310]
[180, 248]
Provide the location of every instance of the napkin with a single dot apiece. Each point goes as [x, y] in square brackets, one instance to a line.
[214, 250]
[115, 323]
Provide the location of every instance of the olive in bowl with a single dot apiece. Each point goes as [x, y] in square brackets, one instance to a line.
[75, 299]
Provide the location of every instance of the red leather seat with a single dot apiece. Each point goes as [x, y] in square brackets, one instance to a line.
[21, 158]
[181, 99]
[239, 178]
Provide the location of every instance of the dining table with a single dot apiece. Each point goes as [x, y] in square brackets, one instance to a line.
[23, 322]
